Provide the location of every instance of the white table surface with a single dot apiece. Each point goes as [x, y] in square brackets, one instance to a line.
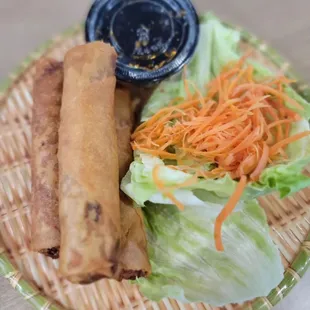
[25, 24]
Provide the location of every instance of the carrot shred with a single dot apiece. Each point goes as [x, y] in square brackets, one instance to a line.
[280, 122]
[269, 90]
[241, 125]
[288, 140]
[261, 165]
[227, 210]
[160, 185]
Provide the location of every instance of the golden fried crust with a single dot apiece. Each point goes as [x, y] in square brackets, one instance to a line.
[124, 118]
[47, 92]
[134, 260]
[89, 169]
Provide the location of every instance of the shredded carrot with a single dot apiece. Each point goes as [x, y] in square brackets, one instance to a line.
[269, 90]
[262, 163]
[280, 122]
[287, 141]
[227, 210]
[160, 185]
[185, 82]
[241, 125]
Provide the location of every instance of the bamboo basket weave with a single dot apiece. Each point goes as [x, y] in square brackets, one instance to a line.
[36, 277]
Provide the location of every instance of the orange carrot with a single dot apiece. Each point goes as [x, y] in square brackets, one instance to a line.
[185, 82]
[263, 161]
[154, 152]
[280, 122]
[160, 185]
[227, 210]
[287, 141]
[268, 90]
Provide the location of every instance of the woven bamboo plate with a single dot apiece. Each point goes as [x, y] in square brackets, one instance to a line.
[36, 277]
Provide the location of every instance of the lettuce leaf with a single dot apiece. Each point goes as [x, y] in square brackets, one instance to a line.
[286, 178]
[217, 46]
[186, 265]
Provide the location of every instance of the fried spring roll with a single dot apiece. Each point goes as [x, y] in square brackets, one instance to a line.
[88, 163]
[133, 260]
[47, 92]
[124, 118]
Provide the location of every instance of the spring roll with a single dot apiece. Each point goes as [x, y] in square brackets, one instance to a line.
[124, 118]
[133, 260]
[47, 92]
[88, 161]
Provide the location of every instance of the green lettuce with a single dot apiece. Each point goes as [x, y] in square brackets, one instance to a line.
[285, 178]
[186, 265]
[217, 46]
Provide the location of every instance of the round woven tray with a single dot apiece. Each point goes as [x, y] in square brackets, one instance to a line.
[36, 277]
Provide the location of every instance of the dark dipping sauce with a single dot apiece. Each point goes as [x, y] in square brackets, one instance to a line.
[153, 38]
